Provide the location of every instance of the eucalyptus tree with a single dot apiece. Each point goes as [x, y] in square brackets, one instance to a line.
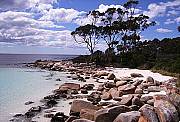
[88, 34]
[108, 31]
[130, 24]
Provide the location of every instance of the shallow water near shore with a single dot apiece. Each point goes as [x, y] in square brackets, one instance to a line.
[19, 85]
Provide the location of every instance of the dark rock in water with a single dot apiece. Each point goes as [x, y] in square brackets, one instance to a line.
[53, 96]
[132, 116]
[136, 75]
[48, 78]
[58, 79]
[33, 111]
[18, 115]
[28, 103]
[51, 103]
[48, 115]
[59, 117]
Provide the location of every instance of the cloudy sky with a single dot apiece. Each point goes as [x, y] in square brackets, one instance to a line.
[44, 26]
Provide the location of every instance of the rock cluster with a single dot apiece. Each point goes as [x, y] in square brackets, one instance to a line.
[125, 99]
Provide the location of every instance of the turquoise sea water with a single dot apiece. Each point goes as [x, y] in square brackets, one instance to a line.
[19, 85]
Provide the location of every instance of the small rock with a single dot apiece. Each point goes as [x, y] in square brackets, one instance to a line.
[84, 91]
[126, 100]
[138, 91]
[150, 80]
[134, 107]
[127, 89]
[136, 75]
[137, 82]
[110, 84]
[88, 86]
[115, 93]
[94, 97]
[146, 98]
[28, 103]
[111, 76]
[48, 115]
[51, 103]
[58, 79]
[154, 89]
[106, 96]
[72, 86]
[136, 101]
[120, 83]
[150, 102]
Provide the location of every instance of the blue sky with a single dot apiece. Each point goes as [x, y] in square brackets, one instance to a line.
[44, 26]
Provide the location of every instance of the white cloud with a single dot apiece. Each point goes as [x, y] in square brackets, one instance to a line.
[169, 21]
[61, 15]
[163, 30]
[172, 12]
[20, 28]
[160, 9]
[23, 4]
[177, 20]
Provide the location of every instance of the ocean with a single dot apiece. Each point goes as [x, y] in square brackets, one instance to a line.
[19, 85]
